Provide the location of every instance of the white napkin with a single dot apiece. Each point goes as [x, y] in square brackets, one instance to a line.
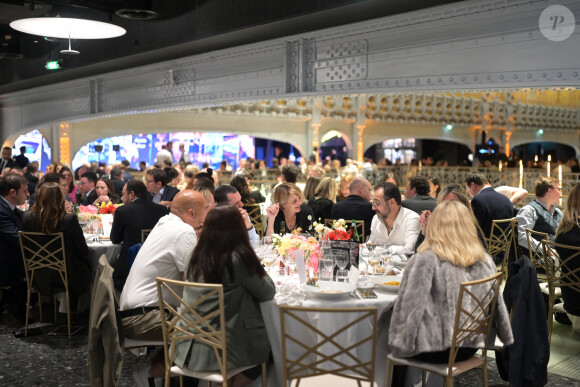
[353, 275]
[290, 294]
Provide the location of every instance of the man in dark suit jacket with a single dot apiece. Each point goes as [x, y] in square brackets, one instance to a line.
[129, 220]
[357, 205]
[6, 160]
[159, 191]
[487, 204]
[13, 192]
[417, 195]
[87, 188]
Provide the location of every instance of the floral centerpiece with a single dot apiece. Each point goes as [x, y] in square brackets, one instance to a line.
[108, 208]
[289, 243]
[337, 231]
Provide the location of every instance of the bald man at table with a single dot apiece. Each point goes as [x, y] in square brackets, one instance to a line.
[162, 255]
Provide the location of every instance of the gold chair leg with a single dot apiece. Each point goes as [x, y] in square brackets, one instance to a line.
[389, 374]
[55, 309]
[68, 312]
[550, 320]
[27, 311]
[264, 375]
[180, 381]
[484, 373]
[39, 306]
[423, 377]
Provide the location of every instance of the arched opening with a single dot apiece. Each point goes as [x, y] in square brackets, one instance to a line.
[37, 148]
[430, 151]
[334, 147]
[533, 153]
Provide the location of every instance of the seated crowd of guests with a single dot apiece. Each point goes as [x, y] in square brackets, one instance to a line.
[203, 233]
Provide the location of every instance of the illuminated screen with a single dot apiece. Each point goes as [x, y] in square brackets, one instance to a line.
[37, 148]
[201, 147]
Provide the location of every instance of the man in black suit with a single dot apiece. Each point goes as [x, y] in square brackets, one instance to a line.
[117, 180]
[13, 192]
[87, 188]
[357, 205]
[129, 220]
[159, 191]
[6, 161]
[417, 195]
[21, 159]
[487, 204]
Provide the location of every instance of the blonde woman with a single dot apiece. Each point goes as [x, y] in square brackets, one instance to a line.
[344, 189]
[188, 175]
[324, 198]
[568, 233]
[288, 208]
[424, 313]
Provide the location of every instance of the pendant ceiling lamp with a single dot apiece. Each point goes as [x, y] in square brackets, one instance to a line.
[67, 28]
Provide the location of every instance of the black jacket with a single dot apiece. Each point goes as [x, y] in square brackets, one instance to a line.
[420, 203]
[525, 362]
[354, 207]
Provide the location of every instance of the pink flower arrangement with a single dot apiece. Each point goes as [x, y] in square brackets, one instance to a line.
[89, 210]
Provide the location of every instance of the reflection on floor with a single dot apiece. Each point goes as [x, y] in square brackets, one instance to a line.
[45, 360]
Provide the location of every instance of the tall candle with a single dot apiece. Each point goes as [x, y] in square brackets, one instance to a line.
[420, 165]
[521, 173]
[560, 176]
[500, 166]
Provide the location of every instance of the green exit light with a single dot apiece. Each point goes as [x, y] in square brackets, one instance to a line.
[52, 65]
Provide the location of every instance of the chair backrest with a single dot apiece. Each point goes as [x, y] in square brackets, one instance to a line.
[502, 239]
[360, 227]
[475, 310]
[347, 351]
[188, 324]
[43, 251]
[145, 234]
[255, 214]
[564, 269]
[537, 252]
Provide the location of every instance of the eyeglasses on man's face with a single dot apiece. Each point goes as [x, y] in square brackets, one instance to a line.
[377, 203]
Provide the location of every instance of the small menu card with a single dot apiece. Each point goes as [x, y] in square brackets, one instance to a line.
[299, 258]
[107, 222]
[353, 275]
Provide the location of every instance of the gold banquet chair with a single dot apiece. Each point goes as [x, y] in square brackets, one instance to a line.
[42, 252]
[502, 239]
[360, 227]
[145, 234]
[189, 325]
[536, 254]
[560, 274]
[469, 322]
[255, 214]
[335, 353]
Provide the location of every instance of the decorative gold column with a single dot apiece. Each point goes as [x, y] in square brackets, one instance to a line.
[315, 141]
[507, 143]
[360, 143]
[64, 144]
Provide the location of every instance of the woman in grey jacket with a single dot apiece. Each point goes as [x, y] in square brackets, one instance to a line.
[424, 313]
[223, 255]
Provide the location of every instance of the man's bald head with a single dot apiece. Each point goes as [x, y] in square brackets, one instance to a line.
[190, 207]
[361, 187]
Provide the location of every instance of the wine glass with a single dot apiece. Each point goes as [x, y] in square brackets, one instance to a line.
[375, 260]
[341, 258]
[328, 263]
[269, 259]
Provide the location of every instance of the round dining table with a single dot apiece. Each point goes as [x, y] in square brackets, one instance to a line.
[99, 245]
[322, 321]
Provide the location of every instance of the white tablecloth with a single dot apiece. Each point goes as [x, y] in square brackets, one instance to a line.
[271, 315]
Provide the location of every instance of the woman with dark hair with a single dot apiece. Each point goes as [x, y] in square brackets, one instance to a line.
[71, 188]
[435, 187]
[105, 192]
[240, 183]
[223, 255]
[48, 215]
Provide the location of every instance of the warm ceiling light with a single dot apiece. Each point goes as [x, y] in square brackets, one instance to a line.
[67, 28]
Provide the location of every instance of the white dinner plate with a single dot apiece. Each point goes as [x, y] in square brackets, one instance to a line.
[380, 282]
[329, 290]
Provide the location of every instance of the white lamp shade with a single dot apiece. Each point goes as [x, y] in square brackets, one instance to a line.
[64, 28]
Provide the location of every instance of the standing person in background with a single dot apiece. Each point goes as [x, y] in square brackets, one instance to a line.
[6, 161]
[21, 159]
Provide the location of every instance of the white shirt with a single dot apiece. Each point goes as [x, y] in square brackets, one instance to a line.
[402, 238]
[162, 255]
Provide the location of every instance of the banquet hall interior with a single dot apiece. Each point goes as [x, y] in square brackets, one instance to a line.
[447, 79]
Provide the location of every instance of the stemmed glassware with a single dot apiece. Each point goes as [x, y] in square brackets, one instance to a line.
[341, 258]
[328, 262]
[269, 254]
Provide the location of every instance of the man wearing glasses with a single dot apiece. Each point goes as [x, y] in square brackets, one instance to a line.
[159, 192]
[393, 225]
[87, 188]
